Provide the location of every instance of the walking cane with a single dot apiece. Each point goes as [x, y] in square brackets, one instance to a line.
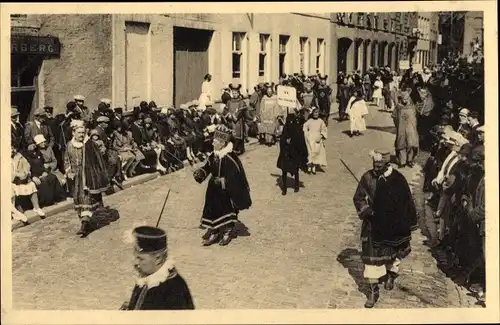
[65, 152]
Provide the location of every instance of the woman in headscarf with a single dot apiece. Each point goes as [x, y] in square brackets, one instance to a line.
[356, 110]
[293, 152]
[315, 133]
[228, 191]
[85, 166]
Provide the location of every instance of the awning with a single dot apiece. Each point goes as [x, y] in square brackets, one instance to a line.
[35, 45]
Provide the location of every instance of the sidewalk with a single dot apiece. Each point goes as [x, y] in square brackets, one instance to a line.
[140, 179]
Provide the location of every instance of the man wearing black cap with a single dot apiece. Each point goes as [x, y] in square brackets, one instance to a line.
[323, 99]
[158, 285]
[384, 202]
[38, 126]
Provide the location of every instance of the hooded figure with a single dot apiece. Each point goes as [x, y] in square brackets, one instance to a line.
[293, 152]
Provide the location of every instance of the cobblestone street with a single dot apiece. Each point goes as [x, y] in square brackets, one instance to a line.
[294, 251]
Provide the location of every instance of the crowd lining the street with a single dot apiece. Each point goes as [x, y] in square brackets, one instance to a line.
[440, 109]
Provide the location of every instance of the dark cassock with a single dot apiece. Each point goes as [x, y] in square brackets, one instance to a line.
[384, 202]
[228, 191]
[293, 152]
[239, 111]
[323, 98]
[158, 286]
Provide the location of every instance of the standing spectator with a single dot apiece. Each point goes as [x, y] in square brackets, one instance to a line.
[323, 98]
[16, 129]
[378, 85]
[474, 125]
[38, 126]
[367, 86]
[205, 98]
[81, 109]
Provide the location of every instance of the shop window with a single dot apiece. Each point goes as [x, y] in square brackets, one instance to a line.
[283, 58]
[304, 55]
[320, 56]
[263, 55]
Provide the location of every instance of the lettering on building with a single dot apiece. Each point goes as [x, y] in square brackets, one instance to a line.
[43, 45]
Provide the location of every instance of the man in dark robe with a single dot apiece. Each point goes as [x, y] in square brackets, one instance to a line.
[158, 286]
[239, 111]
[293, 152]
[385, 204]
[228, 191]
[323, 98]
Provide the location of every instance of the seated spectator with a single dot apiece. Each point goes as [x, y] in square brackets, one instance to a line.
[38, 126]
[124, 144]
[142, 140]
[49, 158]
[113, 160]
[48, 186]
[22, 183]
[153, 141]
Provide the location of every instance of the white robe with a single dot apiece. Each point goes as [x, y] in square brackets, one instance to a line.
[356, 113]
[205, 96]
[315, 132]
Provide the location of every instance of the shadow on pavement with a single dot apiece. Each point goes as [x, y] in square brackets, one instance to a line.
[290, 181]
[104, 217]
[388, 129]
[350, 258]
[240, 230]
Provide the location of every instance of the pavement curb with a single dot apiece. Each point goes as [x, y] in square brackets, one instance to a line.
[138, 180]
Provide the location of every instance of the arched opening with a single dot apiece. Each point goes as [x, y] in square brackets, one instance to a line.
[373, 54]
[358, 54]
[344, 45]
[381, 54]
[366, 57]
[390, 56]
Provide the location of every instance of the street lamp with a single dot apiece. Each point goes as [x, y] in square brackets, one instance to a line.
[412, 43]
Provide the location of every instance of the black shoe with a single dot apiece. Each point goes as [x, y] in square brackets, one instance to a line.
[283, 192]
[373, 296]
[84, 229]
[26, 223]
[389, 284]
[296, 189]
[214, 237]
[226, 239]
[410, 164]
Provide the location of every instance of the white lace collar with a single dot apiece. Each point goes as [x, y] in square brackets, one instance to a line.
[387, 173]
[78, 144]
[165, 272]
[224, 151]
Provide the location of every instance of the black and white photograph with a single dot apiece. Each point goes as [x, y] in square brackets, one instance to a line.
[202, 160]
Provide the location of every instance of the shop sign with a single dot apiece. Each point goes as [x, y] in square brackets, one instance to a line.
[42, 45]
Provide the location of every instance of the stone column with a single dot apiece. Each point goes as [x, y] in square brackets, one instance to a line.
[350, 58]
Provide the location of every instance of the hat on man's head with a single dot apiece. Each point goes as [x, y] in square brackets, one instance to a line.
[233, 86]
[106, 101]
[76, 124]
[79, 97]
[39, 138]
[40, 112]
[223, 133]
[323, 76]
[148, 120]
[381, 155]
[118, 110]
[474, 114]
[103, 119]
[464, 111]
[49, 109]
[14, 111]
[150, 239]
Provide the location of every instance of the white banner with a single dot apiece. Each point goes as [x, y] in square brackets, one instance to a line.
[287, 96]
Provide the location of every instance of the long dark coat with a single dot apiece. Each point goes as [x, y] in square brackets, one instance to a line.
[386, 234]
[293, 149]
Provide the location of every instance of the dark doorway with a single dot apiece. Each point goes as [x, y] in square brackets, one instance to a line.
[24, 83]
[373, 54]
[343, 47]
[190, 62]
[365, 55]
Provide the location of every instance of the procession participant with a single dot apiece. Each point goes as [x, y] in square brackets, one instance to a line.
[367, 86]
[81, 109]
[86, 167]
[385, 204]
[405, 120]
[269, 111]
[239, 111]
[474, 125]
[228, 191]
[158, 286]
[356, 110]
[16, 129]
[307, 100]
[315, 133]
[323, 98]
[378, 85]
[293, 152]
[38, 126]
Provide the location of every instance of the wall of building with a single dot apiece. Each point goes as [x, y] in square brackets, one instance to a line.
[473, 31]
[160, 76]
[426, 50]
[84, 65]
